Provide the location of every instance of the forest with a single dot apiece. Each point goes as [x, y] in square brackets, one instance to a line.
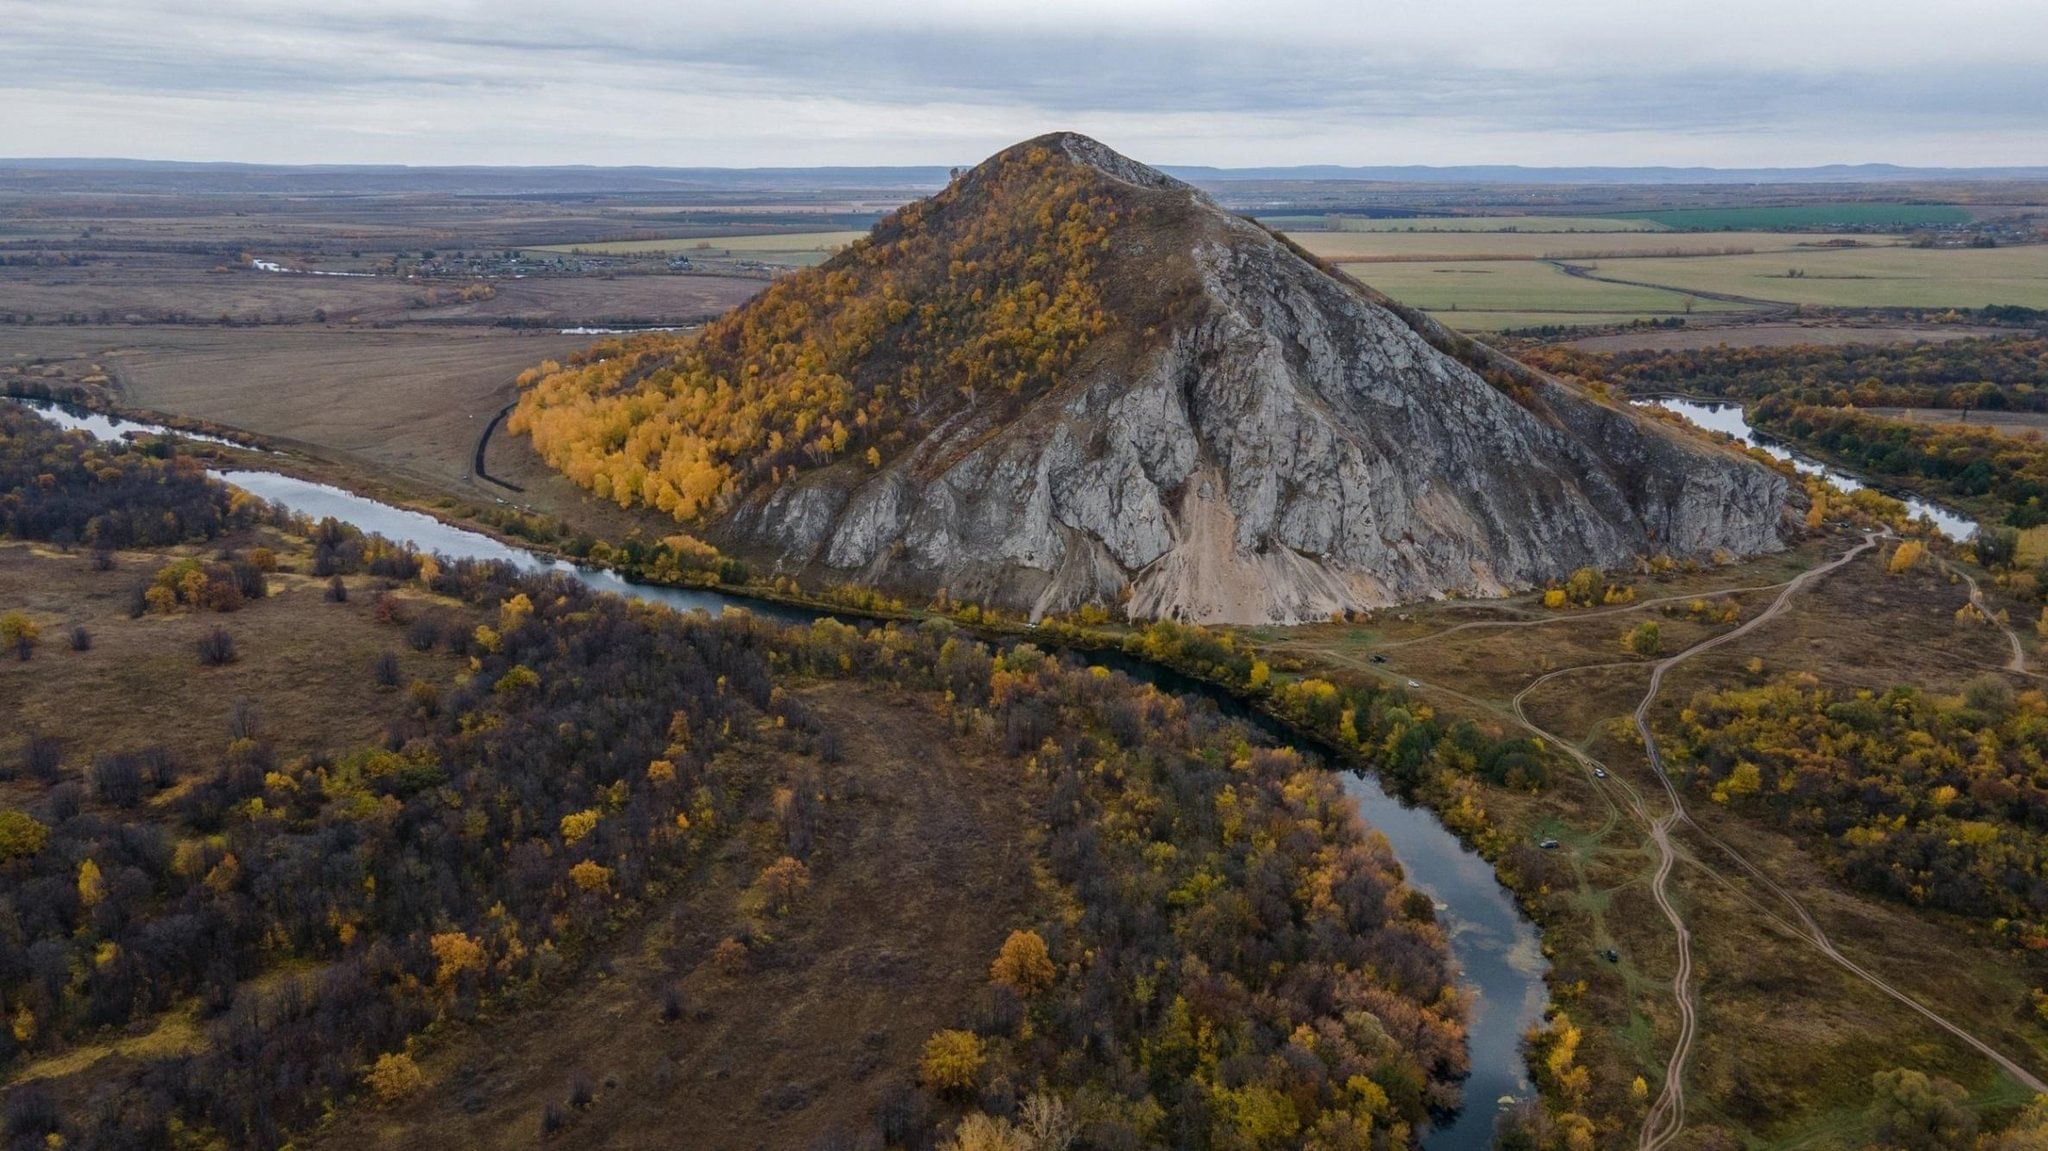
[1937, 800]
[2002, 374]
[2007, 474]
[1225, 957]
[990, 288]
[1814, 396]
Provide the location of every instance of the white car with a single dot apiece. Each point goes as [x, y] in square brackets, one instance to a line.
[1412, 683]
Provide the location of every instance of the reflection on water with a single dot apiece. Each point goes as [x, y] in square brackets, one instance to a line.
[1729, 418]
[105, 427]
[1499, 962]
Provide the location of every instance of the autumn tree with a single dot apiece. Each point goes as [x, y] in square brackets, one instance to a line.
[19, 634]
[21, 835]
[1913, 1112]
[1023, 964]
[982, 1132]
[951, 1061]
[394, 1077]
[591, 877]
[1645, 639]
[783, 882]
[456, 955]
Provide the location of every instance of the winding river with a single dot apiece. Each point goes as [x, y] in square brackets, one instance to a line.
[1495, 949]
[1723, 416]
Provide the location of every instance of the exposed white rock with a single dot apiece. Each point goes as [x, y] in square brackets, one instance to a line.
[1294, 448]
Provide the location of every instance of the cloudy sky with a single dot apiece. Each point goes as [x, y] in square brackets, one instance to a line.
[803, 82]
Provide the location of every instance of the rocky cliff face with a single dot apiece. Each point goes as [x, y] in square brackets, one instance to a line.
[1280, 445]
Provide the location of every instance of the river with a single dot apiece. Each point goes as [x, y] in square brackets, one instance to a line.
[1495, 949]
[1722, 416]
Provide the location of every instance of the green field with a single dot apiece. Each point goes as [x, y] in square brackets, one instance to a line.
[1809, 216]
[1341, 223]
[1863, 277]
[1372, 246]
[1518, 287]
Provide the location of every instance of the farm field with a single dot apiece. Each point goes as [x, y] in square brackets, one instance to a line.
[793, 248]
[1510, 293]
[1861, 277]
[1778, 335]
[1460, 224]
[1345, 247]
[408, 402]
[1870, 215]
[149, 289]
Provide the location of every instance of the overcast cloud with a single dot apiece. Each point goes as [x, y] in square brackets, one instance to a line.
[803, 82]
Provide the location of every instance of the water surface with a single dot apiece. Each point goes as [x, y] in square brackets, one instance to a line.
[1719, 416]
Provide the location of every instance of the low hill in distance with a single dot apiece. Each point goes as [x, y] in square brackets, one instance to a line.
[1071, 379]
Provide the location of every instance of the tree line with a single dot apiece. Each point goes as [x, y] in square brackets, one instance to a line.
[1817, 396]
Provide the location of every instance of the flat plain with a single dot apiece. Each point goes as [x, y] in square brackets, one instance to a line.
[1344, 247]
[790, 248]
[406, 401]
[1338, 222]
[1893, 277]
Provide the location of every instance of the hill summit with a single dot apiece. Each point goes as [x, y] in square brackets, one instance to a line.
[1069, 378]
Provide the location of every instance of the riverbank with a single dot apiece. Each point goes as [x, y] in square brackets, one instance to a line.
[1729, 418]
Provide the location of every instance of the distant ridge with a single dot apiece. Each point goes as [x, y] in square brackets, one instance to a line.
[94, 173]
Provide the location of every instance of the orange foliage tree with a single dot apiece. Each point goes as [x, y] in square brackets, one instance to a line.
[989, 288]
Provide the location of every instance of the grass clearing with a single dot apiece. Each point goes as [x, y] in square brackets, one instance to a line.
[2033, 545]
[305, 663]
[2017, 424]
[173, 1033]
